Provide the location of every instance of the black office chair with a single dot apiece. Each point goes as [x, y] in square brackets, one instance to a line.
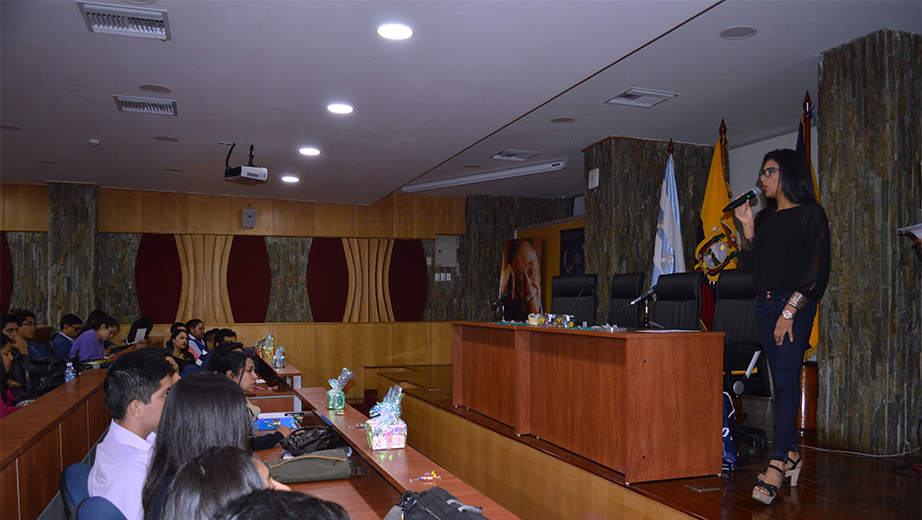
[575, 294]
[143, 323]
[678, 301]
[745, 366]
[624, 288]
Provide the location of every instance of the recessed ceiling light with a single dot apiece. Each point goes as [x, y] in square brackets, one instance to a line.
[339, 108]
[155, 89]
[165, 139]
[738, 33]
[309, 151]
[10, 127]
[563, 120]
[172, 170]
[395, 31]
[290, 178]
[45, 162]
[472, 166]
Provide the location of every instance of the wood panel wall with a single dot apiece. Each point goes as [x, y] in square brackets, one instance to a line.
[870, 94]
[322, 350]
[621, 214]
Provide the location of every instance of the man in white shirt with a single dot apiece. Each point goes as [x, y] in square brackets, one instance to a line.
[135, 390]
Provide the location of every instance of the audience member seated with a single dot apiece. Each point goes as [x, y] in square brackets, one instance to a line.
[208, 482]
[179, 346]
[64, 340]
[6, 396]
[91, 344]
[177, 326]
[203, 410]
[224, 335]
[242, 370]
[271, 504]
[220, 350]
[135, 390]
[196, 330]
[209, 339]
[10, 326]
[26, 340]
[14, 378]
[162, 353]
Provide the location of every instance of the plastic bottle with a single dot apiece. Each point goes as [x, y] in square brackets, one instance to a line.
[69, 372]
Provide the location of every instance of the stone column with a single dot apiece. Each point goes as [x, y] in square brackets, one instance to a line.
[869, 152]
[71, 250]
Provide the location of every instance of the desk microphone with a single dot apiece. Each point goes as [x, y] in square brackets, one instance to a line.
[742, 199]
[643, 296]
[501, 299]
[578, 296]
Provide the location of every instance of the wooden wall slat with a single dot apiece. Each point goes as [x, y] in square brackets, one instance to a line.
[298, 341]
[25, 207]
[293, 218]
[447, 215]
[210, 214]
[376, 220]
[411, 343]
[37, 485]
[75, 441]
[374, 347]
[412, 216]
[9, 492]
[334, 220]
[119, 211]
[163, 212]
[223, 298]
[334, 349]
[440, 343]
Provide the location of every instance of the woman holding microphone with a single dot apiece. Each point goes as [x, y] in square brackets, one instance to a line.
[786, 247]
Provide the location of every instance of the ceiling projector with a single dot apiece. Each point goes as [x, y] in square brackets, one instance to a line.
[248, 175]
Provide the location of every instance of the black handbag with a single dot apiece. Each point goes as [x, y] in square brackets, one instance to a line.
[40, 376]
[433, 504]
[310, 439]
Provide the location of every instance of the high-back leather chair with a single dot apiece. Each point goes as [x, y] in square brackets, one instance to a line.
[678, 301]
[575, 294]
[624, 288]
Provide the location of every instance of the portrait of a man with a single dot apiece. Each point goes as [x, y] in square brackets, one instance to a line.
[521, 278]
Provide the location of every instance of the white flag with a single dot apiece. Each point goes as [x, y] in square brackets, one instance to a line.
[668, 254]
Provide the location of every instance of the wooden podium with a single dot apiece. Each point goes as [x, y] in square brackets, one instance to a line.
[646, 404]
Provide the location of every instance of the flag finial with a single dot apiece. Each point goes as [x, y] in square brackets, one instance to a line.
[808, 105]
[671, 147]
[723, 128]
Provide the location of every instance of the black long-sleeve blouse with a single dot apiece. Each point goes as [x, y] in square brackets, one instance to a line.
[791, 251]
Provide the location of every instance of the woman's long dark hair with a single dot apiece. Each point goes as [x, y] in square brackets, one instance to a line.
[203, 409]
[219, 352]
[234, 361]
[796, 179]
[208, 482]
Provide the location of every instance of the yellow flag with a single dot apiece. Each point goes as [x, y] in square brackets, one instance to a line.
[719, 249]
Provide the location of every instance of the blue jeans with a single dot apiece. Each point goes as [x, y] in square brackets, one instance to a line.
[785, 362]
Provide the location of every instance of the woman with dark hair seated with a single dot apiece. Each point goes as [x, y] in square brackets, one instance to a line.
[91, 343]
[179, 346]
[220, 350]
[241, 369]
[271, 504]
[202, 410]
[208, 482]
[6, 396]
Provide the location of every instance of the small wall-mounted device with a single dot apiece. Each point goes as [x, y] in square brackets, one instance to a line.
[593, 181]
[249, 217]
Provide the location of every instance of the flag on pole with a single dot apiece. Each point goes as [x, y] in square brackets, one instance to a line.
[668, 257]
[803, 146]
[719, 248]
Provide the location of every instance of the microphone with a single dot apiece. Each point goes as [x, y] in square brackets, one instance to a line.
[643, 296]
[501, 299]
[578, 296]
[742, 199]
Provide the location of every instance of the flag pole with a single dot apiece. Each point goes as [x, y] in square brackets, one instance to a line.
[724, 156]
[671, 147]
[808, 117]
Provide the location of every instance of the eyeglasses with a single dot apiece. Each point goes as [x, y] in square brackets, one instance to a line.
[768, 172]
[28, 324]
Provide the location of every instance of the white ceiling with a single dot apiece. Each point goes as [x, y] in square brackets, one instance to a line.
[476, 78]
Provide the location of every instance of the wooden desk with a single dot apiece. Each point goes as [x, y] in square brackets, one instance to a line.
[398, 467]
[645, 404]
[42, 439]
[288, 376]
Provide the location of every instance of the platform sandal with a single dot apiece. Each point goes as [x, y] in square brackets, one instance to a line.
[793, 473]
[766, 498]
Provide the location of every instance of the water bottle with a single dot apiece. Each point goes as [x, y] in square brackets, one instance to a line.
[69, 372]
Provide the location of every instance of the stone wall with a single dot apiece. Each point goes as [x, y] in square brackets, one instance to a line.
[870, 396]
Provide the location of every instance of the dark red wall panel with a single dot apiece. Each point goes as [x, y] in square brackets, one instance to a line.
[327, 279]
[408, 280]
[6, 274]
[249, 279]
[158, 277]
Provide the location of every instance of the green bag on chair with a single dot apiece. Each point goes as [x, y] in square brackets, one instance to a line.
[319, 465]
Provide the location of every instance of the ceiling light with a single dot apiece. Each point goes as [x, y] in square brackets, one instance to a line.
[290, 178]
[738, 33]
[165, 139]
[477, 178]
[155, 89]
[40, 161]
[309, 151]
[10, 127]
[172, 170]
[395, 31]
[339, 108]
[563, 120]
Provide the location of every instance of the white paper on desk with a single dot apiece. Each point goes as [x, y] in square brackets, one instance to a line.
[274, 415]
[915, 230]
[658, 331]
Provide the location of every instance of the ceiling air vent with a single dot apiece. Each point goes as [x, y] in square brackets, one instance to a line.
[125, 21]
[641, 97]
[515, 155]
[163, 107]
